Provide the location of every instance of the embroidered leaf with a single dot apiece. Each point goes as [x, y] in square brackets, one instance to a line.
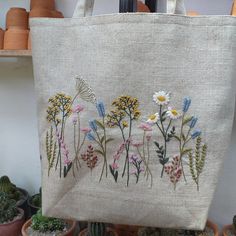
[84, 91]
[187, 120]
[164, 161]
[157, 144]
[186, 151]
[116, 176]
[175, 136]
[109, 140]
[99, 124]
[183, 137]
[102, 139]
[99, 151]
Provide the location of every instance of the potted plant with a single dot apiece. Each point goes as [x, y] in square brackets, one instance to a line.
[40, 225]
[230, 230]
[210, 230]
[128, 230]
[98, 229]
[35, 202]
[18, 194]
[11, 217]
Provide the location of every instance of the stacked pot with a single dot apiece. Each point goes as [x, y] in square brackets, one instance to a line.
[44, 8]
[17, 29]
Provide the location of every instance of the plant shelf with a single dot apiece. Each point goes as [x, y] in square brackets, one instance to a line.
[15, 53]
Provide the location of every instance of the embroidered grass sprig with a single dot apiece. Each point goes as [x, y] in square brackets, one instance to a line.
[51, 148]
[197, 160]
[136, 162]
[90, 158]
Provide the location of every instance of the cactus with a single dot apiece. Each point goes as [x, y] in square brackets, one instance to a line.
[37, 199]
[97, 229]
[8, 209]
[197, 161]
[7, 187]
[234, 223]
[44, 224]
[149, 232]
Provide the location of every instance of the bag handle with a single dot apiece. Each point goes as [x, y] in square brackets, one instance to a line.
[85, 7]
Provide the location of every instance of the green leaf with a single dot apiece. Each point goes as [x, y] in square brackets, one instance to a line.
[186, 151]
[187, 119]
[183, 137]
[100, 124]
[99, 151]
[157, 144]
[102, 139]
[109, 140]
[175, 136]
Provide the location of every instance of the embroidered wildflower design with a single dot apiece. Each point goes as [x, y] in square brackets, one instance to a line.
[152, 119]
[137, 165]
[90, 158]
[173, 113]
[161, 98]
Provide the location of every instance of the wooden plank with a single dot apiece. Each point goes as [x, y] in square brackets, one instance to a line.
[15, 53]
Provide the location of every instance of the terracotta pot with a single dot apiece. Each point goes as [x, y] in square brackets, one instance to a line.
[38, 12]
[57, 14]
[16, 39]
[29, 48]
[1, 38]
[126, 230]
[109, 230]
[70, 232]
[13, 228]
[227, 228]
[17, 17]
[39, 4]
[212, 226]
[141, 7]
[192, 13]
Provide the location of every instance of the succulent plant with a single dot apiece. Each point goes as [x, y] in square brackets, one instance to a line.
[149, 232]
[234, 223]
[36, 200]
[44, 224]
[8, 209]
[8, 187]
[97, 229]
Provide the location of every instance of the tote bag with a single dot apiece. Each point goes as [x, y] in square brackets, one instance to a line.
[135, 114]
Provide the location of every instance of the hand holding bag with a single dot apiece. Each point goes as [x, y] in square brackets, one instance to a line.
[135, 114]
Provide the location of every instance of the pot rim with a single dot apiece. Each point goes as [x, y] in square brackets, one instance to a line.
[29, 201]
[28, 223]
[21, 216]
[17, 8]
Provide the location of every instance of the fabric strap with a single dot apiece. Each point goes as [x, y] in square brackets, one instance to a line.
[85, 7]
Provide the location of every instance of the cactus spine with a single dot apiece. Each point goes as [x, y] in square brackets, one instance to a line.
[197, 160]
[97, 229]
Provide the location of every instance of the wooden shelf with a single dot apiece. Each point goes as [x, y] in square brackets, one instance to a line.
[15, 53]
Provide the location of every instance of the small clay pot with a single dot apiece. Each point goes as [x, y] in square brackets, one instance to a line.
[13, 228]
[16, 39]
[29, 45]
[226, 229]
[69, 232]
[126, 230]
[17, 17]
[42, 4]
[192, 13]
[1, 38]
[141, 7]
[110, 231]
[40, 12]
[57, 14]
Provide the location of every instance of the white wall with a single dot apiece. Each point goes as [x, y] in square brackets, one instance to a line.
[19, 157]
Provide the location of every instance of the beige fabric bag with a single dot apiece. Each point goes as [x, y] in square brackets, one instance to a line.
[135, 114]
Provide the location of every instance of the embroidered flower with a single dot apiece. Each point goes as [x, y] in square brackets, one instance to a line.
[114, 166]
[186, 104]
[90, 137]
[193, 122]
[161, 98]
[196, 133]
[77, 109]
[85, 130]
[173, 113]
[152, 119]
[93, 125]
[136, 144]
[125, 124]
[101, 109]
[145, 127]
[148, 137]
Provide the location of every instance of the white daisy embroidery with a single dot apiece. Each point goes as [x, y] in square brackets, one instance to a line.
[152, 119]
[161, 98]
[173, 113]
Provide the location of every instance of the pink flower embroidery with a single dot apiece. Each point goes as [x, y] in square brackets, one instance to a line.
[114, 166]
[137, 144]
[85, 130]
[145, 127]
[148, 137]
[78, 109]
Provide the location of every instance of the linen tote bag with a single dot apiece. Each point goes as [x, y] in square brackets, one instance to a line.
[135, 114]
